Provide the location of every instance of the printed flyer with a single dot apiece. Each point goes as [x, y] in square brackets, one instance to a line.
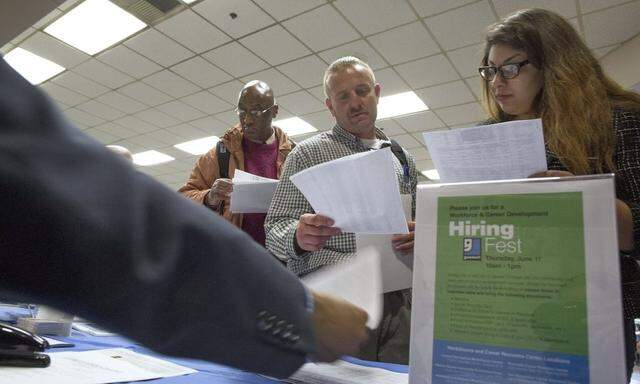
[507, 287]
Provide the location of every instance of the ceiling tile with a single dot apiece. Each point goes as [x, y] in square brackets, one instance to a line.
[144, 94]
[600, 52]
[82, 118]
[116, 130]
[157, 118]
[212, 126]
[23, 36]
[431, 7]
[136, 125]
[158, 47]
[404, 43]
[307, 71]
[250, 18]
[235, 59]
[475, 83]
[228, 117]
[101, 136]
[322, 120]
[390, 127]
[171, 84]
[186, 132]
[121, 102]
[467, 60]
[229, 92]
[63, 94]
[53, 49]
[166, 137]
[201, 72]
[564, 8]
[365, 15]
[461, 114]
[148, 141]
[311, 28]
[430, 71]
[207, 102]
[181, 111]
[317, 92]
[80, 84]
[128, 61]
[264, 45]
[451, 33]
[101, 110]
[360, 49]
[446, 95]
[420, 122]
[593, 5]
[407, 141]
[284, 9]
[278, 82]
[300, 103]
[612, 26]
[193, 31]
[102, 73]
[390, 82]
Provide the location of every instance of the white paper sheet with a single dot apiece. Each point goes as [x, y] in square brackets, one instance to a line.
[94, 367]
[251, 193]
[342, 372]
[359, 192]
[511, 150]
[357, 281]
[396, 267]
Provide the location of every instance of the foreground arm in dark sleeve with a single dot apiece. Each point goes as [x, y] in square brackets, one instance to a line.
[81, 230]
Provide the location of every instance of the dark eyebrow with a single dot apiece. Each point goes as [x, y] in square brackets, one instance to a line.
[506, 61]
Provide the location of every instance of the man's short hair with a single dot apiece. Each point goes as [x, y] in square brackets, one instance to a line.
[342, 64]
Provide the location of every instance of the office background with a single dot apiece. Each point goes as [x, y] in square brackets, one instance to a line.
[177, 79]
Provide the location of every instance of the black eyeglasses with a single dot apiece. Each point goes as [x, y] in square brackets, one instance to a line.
[255, 113]
[507, 71]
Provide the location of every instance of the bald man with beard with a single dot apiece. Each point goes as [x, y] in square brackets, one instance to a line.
[254, 146]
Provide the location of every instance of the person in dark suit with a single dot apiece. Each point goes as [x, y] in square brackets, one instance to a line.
[83, 231]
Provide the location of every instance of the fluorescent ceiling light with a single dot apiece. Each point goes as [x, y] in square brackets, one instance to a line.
[294, 126]
[431, 174]
[32, 67]
[151, 158]
[198, 146]
[400, 104]
[189, 1]
[94, 26]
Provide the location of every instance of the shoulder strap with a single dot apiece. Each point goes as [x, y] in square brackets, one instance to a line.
[223, 159]
[402, 157]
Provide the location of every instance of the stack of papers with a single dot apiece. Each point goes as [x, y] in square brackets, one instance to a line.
[251, 193]
[359, 192]
[342, 372]
[511, 150]
[102, 366]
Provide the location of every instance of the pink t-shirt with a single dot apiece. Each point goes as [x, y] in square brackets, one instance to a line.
[259, 159]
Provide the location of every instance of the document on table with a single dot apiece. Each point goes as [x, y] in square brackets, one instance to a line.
[357, 281]
[359, 192]
[510, 150]
[101, 366]
[342, 372]
[251, 193]
[396, 267]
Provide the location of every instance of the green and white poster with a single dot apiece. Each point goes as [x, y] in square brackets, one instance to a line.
[506, 277]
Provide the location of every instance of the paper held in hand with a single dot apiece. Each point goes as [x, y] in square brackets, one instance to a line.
[511, 150]
[359, 192]
[251, 193]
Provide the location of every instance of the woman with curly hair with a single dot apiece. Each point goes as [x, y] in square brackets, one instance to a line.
[535, 65]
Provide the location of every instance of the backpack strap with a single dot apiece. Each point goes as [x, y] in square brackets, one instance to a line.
[402, 157]
[223, 155]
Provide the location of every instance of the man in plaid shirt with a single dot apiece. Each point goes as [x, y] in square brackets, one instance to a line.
[307, 241]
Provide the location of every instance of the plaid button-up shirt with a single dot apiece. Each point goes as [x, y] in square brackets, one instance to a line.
[289, 204]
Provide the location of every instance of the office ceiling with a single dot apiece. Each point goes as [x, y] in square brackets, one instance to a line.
[178, 80]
